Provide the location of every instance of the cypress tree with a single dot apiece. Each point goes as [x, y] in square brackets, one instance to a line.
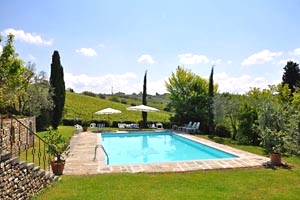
[57, 90]
[291, 76]
[211, 116]
[144, 100]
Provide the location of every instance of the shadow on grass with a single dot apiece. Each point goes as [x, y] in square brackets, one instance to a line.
[270, 165]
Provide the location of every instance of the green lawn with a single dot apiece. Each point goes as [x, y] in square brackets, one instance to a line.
[218, 184]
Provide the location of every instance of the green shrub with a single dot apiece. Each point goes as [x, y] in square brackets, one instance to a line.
[222, 131]
[114, 99]
[123, 101]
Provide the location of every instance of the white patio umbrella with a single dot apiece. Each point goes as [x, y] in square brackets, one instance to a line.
[107, 111]
[143, 108]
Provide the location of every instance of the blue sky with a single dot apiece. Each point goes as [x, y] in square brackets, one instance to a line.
[106, 46]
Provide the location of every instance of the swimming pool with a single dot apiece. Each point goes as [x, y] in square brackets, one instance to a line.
[152, 147]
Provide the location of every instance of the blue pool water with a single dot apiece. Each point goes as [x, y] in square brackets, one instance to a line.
[150, 147]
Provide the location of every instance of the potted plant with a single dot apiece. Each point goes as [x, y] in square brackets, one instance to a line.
[85, 124]
[57, 147]
[274, 145]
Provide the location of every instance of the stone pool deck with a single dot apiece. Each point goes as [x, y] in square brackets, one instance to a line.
[82, 160]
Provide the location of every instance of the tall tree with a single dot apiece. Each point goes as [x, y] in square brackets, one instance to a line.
[144, 100]
[15, 77]
[211, 117]
[291, 75]
[57, 90]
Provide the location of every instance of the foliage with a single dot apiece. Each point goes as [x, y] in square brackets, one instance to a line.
[292, 129]
[227, 110]
[271, 122]
[114, 99]
[56, 144]
[43, 121]
[89, 93]
[222, 131]
[189, 97]
[39, 102]
[57, 89]
[291, 76]
[14, 77]
[144, 101]
[85, 123]
[211, 118]
[123, 101]
[247, 131]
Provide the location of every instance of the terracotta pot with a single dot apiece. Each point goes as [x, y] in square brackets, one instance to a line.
[84, 128]
[275, 158]
[57, 167]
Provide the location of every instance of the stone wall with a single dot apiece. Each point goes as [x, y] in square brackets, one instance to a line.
[21, 180]
[18, 179]
[17, 134]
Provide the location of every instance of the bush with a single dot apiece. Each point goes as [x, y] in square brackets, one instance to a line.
[101, 96]
[222, 131]
[123, 101]
[114, 99]
[87, 93]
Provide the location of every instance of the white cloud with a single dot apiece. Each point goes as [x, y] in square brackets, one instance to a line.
[229, 62]
[190, 59]
[261, 57]
[87, 52]
[241, 84]
[127, 83]
[130, 83]
[284, 62]
[27, 37]
[146, 58]
[296, 52]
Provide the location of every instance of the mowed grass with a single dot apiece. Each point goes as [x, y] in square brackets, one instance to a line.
[84, 107]
[258, 183]
[223, 184]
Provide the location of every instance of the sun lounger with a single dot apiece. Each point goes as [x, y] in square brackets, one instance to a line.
[78, 127]
[159, 125]
[182, 128]
[193, 129]
[101, 127]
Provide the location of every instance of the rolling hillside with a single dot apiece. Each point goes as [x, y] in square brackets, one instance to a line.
[84, 107]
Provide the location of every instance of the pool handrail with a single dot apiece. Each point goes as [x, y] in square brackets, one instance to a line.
[96, 147]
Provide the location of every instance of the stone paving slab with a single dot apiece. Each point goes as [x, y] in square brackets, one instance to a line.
[83, 160]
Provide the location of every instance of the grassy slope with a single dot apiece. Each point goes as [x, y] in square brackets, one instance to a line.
[82, 106]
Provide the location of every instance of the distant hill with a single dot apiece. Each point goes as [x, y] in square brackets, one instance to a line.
[84, 106]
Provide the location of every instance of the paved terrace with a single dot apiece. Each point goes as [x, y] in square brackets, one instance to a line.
[82, 152]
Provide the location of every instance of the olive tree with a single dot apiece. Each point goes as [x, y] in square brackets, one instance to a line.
[15, 78]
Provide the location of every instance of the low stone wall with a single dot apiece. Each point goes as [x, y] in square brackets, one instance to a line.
[16, 134]
[21, 180]
[18, 179]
